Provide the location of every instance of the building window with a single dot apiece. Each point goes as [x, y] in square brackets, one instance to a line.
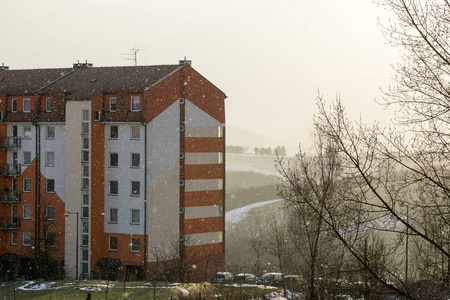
[13, 237]
[135, 132]
[49, 239]
[113, 159]
[113, 215]
[134, 244]
[50, 132]
[85, 143]
[220, 210]
[26, 212]
[50, 159]
[135, 103]
[96, 115]
[113, 187]
[50, 186]
[135, 188]
[112, 103]
[85, 234]
[27, 158]
[85, 171]
[27, 185]
[85, 206]
[85, 156]
[85, 255]
[26, 132]
[26, 104]
[48, 104]
[113, 243]
[26, 238]
[50, 212]
[135, 160]
[85, 184]
[113, 132]
[85, 177]
[135, 216]
[85, 121]
[14, 105]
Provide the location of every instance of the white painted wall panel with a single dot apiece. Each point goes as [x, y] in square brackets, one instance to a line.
[203, 185]
[204, 238]
[197, 212]
[204, 158]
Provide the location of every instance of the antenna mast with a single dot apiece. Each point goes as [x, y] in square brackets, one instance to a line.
[133, 54]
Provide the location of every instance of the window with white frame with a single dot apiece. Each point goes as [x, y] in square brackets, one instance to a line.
[27, 185]
[113, 187]
[26, 132]
[50, 133]
[27, 158]
[85, 150]
[85, 234]
[50, 212]
[135, 132]
[48, 104]
[113, 215]
[85, 177]
[135, 103]
[85, 121]
[14, 105]
[135, 188]
[112, 104]
[134, 244]
[26, 238]
[85, 205]
[50, 186]
[113, 160]
[135, 160]
[50, 159]
[26, 104]
[114, 132]
[26, 212]
[13, 237]
[113, 243]
[135, 216]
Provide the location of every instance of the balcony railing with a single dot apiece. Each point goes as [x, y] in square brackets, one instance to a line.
[7, 196]
[9, 223]
[10, 142]
[10, 169]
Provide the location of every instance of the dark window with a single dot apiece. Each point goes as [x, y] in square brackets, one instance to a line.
[50, 212]
[135, 160]
[135, 188]
[114, 132]
[113, 160]
[50, 186]
[113, 187]
[50, 239]
[113, 243]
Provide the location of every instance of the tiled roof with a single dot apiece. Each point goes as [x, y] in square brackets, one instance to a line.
[85, 82]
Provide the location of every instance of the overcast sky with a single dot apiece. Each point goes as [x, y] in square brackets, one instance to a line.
[270, 57]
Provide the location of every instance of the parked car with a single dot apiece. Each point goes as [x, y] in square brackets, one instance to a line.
[245, 278]
[222, 277]
[271, 279]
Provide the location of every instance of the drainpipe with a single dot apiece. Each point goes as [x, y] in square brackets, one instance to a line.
[145, 199]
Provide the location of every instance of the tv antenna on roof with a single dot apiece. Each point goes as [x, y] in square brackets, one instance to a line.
[133, 54]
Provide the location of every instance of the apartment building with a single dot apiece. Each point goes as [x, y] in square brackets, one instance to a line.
[111, 172]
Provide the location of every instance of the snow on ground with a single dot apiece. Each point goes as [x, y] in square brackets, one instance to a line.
[31, 286]
[236, 215]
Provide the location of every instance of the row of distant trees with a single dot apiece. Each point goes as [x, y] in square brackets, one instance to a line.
[279, 150]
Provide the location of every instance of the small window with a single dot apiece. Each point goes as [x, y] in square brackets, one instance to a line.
[50, 186]
[113, 243]
[114, 132]
[85, 143]
[85, 117]
[27, 158]
[85, 212]
[26, 238]
[220, 210]
[113, 215]
[48, 104]
[85, 184]
[50, 212]
[84, 128]
[26, 212]
[50, 132]
[27, 185]
[14, 105]
[85, 255]
[134, 244]
[26, 132]
[135, 188]
[135, 132]
[96, 115]
[50, 159]
[26, 104]
[113, 160]
[135, 103]
[85, 239]
[113, 187]
[85, 171]
[13, 237]
[135, 216]
[135, 160]
[49, 239]
[85, 156]
[112, 104]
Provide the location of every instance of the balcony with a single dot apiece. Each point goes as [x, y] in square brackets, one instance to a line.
[9, 223]
[10, 169]
[8, 196]
[10, 142]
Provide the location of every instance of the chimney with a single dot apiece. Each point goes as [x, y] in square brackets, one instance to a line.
[3, 67]
[185, 62]
[79, 65]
